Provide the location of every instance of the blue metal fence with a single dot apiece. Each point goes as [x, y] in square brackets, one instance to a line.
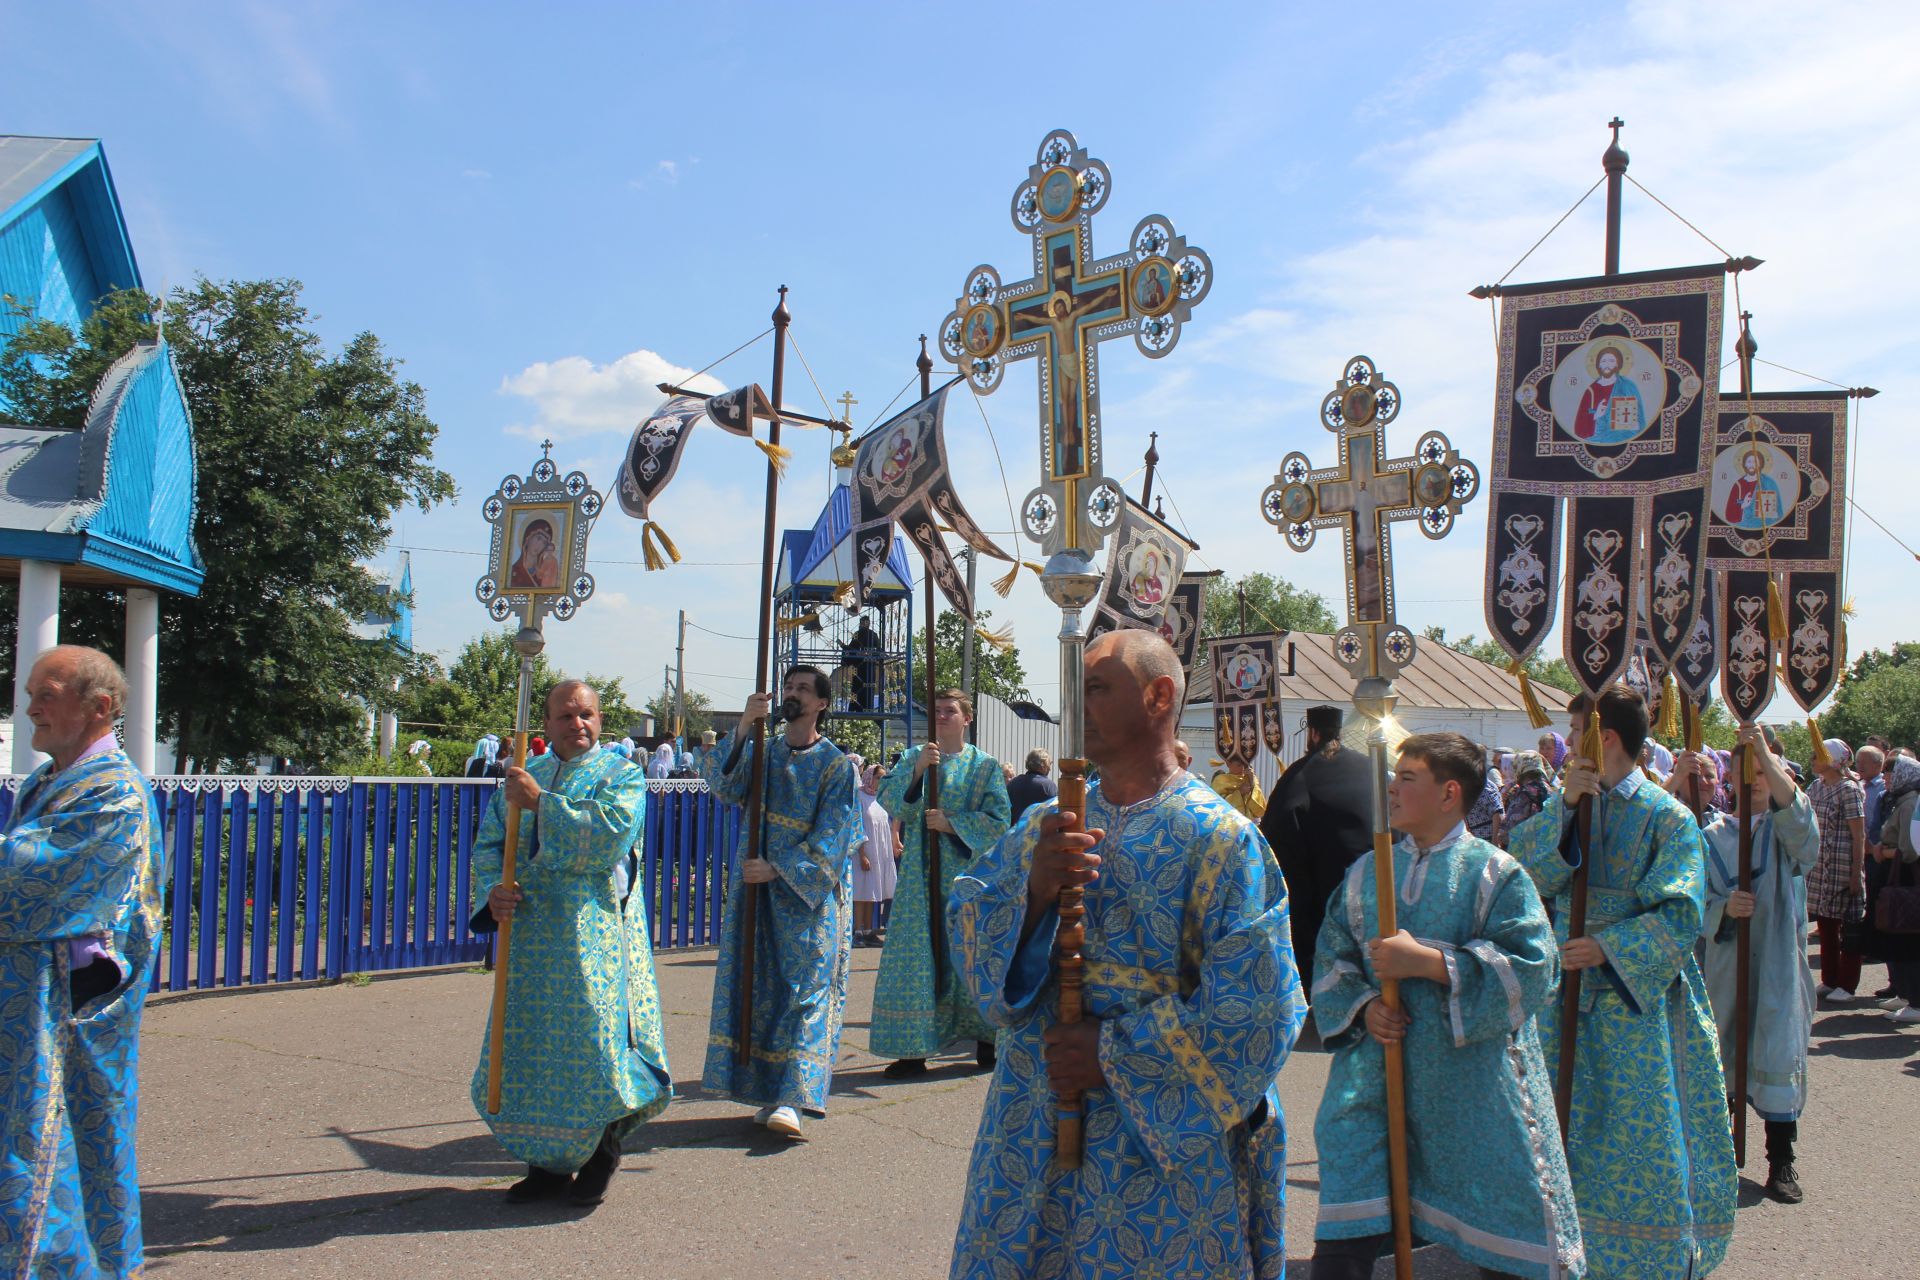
[285, 879]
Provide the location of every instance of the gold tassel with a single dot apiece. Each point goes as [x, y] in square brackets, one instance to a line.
[1669, 726]
[777, 454]
[785, 625]
[844, 596]
[1003, 585]
[1822, 758]
[1536, 714]
[1590, 744]
[649, 533]
[1776, 614]
[1001, 640]
[1693, 735]
[1750, 767]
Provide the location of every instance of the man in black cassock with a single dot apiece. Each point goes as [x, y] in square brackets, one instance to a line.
[1319, 820]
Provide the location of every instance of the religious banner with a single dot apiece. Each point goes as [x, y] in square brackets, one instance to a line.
[1143, 575]
[537, 553]
[1185, 614]
[1604, 402]
[653, 454]
[900, 477]
[1777, 515]
[1246, 695]
[1694, 668]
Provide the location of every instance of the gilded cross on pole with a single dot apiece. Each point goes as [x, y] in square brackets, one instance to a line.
[1364, 495]
[1059, 316]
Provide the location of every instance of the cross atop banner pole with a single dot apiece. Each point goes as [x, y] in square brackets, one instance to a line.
[1364, 496]
[1059, 316]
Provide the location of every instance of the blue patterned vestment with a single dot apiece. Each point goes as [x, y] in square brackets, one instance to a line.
[802, 940]
[1485, 1169]
[1189, 969]
[81, 856]
[584, 1047]
[1786, 844]
[1651, 1149]
[908, 1021]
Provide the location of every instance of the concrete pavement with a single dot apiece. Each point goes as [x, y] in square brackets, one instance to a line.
[326, 1131]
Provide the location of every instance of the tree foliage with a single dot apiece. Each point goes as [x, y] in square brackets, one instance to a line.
[699, 716]
[477, 694]
[994, 671]
[1272, 604]
[1881, 694]
[303, 456]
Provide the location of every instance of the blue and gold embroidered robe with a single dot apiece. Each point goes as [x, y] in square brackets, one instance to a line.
[81, 856]
[1485, 1168]
[1786, 844]
[802, 931]
[1650, 1145]
[908, 1020]
[584, 1045]
[1189, 968]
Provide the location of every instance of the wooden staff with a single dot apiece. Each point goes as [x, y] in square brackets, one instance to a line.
[757, 777]
[1386, 893]
[1590, 748]
[1069, 966]
[1742, 957]
[528, 643]
[930, 842]
[1690, 730]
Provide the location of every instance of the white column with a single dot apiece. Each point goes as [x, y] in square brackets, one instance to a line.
[389, 733]
[143, 676]
[39, 630]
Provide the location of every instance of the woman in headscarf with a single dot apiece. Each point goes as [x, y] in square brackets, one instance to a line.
[485, 752]
[874, 861]
[1530, 790]
[1899, 855]
[1553, 750]
[661, 766]
[1837, 889]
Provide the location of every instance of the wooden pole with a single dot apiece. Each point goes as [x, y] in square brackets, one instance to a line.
[528, 643]
[757, 778]
[1742, 959]
[1576, 928]
[1690, 731]
[930, 842]
[1386, 893]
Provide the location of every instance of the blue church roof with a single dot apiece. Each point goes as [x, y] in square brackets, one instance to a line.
[821, 559]
[113, 501]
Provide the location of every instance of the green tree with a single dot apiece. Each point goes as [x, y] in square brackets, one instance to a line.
[995, 671]
[1272, 604]
[477, 694]
[1880, 695]
[303, 457]
[699, 717]
[1548, 671]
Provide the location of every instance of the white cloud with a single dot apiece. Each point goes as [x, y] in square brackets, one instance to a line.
[476, 174]
[574, 397]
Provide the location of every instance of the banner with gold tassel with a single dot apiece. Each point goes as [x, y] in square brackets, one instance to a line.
[654, 452]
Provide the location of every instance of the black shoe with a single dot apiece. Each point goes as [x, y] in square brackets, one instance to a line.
[590, 1184]
[1783, 1184]
[1883, 993]
[905, 1068]
[539, 1184]
[983, 1053]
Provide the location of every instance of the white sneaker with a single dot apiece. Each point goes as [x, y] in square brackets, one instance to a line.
[1905, 1017]
[784, 1121]
[1892, 1004]
[1822, 989]
[763, 1115]
[1840, 995]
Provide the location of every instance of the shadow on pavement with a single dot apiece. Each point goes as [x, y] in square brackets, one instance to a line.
[1865, 1048]
[732, 1133]
[176, 1223]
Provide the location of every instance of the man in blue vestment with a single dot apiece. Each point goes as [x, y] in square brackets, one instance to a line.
[81, 874]
[1647, 1136]
[802, 944]
[585, 1061]
[1192, 1004]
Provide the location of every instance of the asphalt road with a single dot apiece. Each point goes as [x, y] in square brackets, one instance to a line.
[326, 1131]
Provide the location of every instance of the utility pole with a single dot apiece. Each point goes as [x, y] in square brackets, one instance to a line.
[680, 683]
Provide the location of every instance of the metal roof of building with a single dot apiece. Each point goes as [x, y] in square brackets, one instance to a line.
[1439, 678]
[28, 164]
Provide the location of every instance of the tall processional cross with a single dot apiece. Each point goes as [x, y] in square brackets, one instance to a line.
[1059, 316]
[1363, 496]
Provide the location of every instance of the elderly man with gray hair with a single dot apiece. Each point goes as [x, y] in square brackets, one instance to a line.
[81, 874]
[1035, 785]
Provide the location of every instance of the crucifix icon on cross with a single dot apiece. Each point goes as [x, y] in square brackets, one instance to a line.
[1059, 316]
[1363, 496]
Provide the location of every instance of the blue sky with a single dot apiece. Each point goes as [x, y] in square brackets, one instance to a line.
[541, 212]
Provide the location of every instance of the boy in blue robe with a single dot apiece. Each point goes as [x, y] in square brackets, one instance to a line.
[1648, 1140]
[1192, 1005]
[585, 1061]
[1786, 844]
[803, 944]
[1476, 961]
[81, 874]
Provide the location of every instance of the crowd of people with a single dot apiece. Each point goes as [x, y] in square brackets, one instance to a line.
[1220, 924]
